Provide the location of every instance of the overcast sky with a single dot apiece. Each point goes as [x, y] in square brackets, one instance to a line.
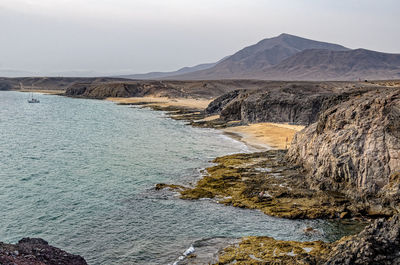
[135, 36]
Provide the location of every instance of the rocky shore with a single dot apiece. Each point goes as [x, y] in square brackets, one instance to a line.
[378, 243]
[36, 251]
[344, 164]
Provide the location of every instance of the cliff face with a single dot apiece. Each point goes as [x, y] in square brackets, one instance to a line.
[94, 90]
[298, 103]
[196, 89]
[354, 146]
[36, 251]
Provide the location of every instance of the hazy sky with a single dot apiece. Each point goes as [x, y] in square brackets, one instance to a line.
[133, 36]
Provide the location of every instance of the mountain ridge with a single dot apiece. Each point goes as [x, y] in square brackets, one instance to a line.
[265, 53]
[288, 58]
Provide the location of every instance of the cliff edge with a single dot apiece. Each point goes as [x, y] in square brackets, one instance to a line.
[354, 147]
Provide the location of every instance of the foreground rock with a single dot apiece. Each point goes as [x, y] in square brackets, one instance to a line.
[354, 148]
[266, 250]
[378, 243]
[36, 251]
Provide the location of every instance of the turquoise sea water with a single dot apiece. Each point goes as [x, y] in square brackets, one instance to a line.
[80, 174]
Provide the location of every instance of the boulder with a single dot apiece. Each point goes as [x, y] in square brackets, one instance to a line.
[36, 251]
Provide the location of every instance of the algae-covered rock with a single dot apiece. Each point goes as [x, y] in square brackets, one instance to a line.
[266, 250]
[266, 182]
[378, 243]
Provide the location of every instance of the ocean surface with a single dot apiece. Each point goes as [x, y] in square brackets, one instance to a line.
[81, 173]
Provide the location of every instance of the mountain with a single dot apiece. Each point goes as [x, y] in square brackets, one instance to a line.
[289, 57]
[264, 54]
[160, 75]
[334, 65]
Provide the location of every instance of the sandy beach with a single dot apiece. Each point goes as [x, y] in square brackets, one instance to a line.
[265, 135]
[42, 91]
[190, 103]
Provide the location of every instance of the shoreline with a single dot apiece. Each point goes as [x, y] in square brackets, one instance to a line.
[163, 102]
[258, 136]
[41, 91]
[265, 136]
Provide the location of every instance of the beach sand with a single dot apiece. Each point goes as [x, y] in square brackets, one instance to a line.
[265, 135]
[43, 91]
[189, 103]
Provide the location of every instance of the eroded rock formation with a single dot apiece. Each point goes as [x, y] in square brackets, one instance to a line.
[354, 146]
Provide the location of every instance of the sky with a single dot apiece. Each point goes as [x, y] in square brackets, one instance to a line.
[54, 37]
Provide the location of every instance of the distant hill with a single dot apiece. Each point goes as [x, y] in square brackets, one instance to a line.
[264, 54]
[161, 75]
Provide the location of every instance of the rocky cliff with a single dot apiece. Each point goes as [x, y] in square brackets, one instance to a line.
[354, 147]
[36, 251]
[195, 89]
[296, 102]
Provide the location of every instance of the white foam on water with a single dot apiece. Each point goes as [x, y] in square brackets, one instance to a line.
[187, 252]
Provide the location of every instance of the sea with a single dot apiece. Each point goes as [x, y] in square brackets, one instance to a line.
[81, 173]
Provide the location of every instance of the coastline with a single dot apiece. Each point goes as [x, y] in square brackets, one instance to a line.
[42, 91]
[265, 136]
[163, 102]
[259, 136]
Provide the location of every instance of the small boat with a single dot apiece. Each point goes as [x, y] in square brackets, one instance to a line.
[33, 100]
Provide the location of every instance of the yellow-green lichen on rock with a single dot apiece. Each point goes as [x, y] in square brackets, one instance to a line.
[263, 181]
[266, 250]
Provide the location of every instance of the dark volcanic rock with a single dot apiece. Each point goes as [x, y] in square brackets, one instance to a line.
[36, 251]
[5, 85]
[104, 90]
[172, 89]
[298, 103]
[354, 147]
[378, 243]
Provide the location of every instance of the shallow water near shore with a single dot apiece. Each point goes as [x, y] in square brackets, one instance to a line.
[80, 174]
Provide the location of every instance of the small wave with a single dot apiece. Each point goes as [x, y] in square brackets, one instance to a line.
[187, 252]
[243, 147]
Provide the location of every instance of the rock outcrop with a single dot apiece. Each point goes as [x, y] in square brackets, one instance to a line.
[378, 243]
[354, 148]
[36, 251]
[172, 89]
[297, 102]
